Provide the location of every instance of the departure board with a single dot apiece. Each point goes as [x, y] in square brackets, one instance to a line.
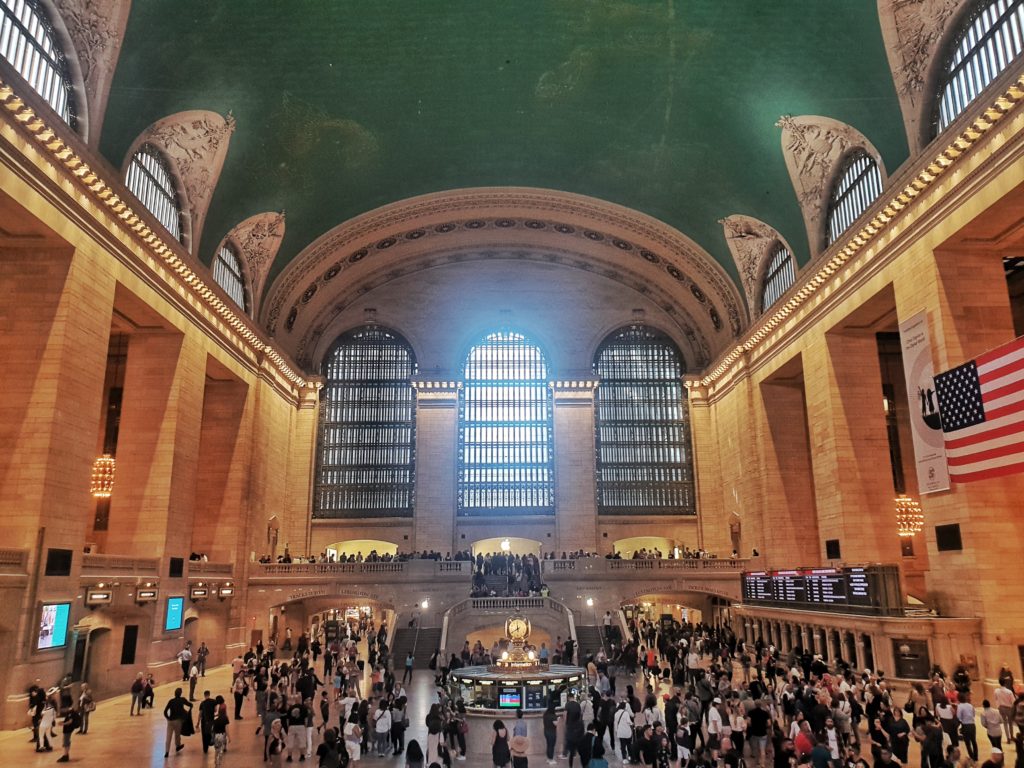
[873, 589]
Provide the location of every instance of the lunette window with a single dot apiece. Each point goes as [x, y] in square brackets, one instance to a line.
[149, 179]
[28, 42]
[227, 272]
[506, 463]
[365, 447]
[859, 185]
[642, 421]
[779, 276]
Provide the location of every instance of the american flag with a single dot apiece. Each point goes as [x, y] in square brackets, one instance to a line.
[982, 408]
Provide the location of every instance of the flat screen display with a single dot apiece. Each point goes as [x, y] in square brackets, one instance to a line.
[53, 626]
[175, 609]
[857, 589]
[510, 698]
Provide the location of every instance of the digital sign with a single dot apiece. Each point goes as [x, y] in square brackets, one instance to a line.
[175, 611]
[510, 698]
[53, 626]
[873, 589]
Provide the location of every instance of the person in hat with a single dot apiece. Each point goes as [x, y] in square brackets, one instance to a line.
[519, 746]
[995, 759]
[47, 721]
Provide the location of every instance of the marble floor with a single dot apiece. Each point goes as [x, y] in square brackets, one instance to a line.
[115, 739]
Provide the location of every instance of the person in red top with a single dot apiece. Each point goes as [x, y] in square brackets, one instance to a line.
[803, 742]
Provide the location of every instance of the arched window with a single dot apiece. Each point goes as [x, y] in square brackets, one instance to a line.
[778, 277]
[149, 179]
[365, 458]
[227, 272]
[859, 185]
[28, 42]
[987, 43]
[644, 459]
[505, 438]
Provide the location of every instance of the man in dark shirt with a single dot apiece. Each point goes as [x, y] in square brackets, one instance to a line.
[757, 730]
[177, 709]
[885, 760]
[785, 754]
[207, 710]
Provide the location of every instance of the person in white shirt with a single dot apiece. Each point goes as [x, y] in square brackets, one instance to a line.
[1004, 699]
[714, 727]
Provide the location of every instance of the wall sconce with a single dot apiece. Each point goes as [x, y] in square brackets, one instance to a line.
[199, 592]
[102, 483]
[226, 591]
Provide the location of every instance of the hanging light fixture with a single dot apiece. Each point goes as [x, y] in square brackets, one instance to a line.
[102, 485]
[909, 517]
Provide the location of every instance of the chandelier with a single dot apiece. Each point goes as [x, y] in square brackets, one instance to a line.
[102, 485]
[909, 517]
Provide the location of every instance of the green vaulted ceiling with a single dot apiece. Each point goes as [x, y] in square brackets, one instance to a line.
[667, 107]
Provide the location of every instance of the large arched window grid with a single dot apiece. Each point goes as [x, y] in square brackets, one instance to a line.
[28, 42]
[149, 179]
[365, 463]
[642, 421]
[506, 462]
[227, 273]
[990, 39]
[858, 186]
[779, 276]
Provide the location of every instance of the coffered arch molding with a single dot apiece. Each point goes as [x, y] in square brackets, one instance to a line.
[335, 316]
[597, 234]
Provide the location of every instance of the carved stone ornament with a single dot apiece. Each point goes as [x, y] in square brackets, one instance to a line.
[751, 242]
[257, 239]
[96, 29]
[813, 148]
[195, 143]
[914, 32]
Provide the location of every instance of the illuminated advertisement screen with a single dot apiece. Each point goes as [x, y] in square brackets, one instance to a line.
[53, 626]
[175, 611]
[510, 697]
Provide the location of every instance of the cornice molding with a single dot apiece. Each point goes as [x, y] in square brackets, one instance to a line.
[59, 147]
[906, 187]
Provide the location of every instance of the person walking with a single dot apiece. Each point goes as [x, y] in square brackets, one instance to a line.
[220, 731]
[353, 737]
[175, 712]
[185, 658]
[435, 731]
[239, 689]
[207, 713]
[968, 728]
[382, 728]
[623, 725]
[72, 720]
[414, 755]
[409, 661]
[276, 743]
[296, 729]
[86, 706]
[202, 653]
[193, 678]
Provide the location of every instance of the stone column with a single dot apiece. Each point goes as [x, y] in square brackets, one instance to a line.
[849, 447]
[437, 446]
[575, 491]
[804, 642]
[151, 510]
[830, 645]
[858, 645]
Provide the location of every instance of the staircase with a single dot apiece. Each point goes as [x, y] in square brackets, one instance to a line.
[423, 647]
[588, 642]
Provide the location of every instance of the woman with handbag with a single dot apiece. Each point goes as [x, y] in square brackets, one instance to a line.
[86, 706]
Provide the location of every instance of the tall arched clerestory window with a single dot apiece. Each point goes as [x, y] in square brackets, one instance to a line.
[779, 276]
[988, 41]
[29, 43]
[365, 460]
[149, 179]
[506, 462]
[227, 273]
[859, 184]
[642, 418]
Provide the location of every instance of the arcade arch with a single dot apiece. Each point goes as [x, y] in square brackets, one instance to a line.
[628, 546]
[359, 547]
[514, 545]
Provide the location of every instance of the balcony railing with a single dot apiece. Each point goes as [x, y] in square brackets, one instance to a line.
[13, 561]
[206, 568]
[597, 565]
[95, 566]
[412, 569]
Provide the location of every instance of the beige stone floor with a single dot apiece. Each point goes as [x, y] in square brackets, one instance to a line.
[115, 739]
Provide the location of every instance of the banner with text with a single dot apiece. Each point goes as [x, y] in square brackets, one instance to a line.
[925, 424]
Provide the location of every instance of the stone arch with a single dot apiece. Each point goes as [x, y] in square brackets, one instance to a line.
[195, 144]
[256, 240]
[91, 33]
[752, 243]
[916, 35]
[583, 232]
[815, 149]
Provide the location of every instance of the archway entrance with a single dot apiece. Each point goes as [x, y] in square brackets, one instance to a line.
[513, 545]
[357, 548]
[646, 544]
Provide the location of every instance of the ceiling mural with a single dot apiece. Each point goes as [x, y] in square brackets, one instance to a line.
[665, 108]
